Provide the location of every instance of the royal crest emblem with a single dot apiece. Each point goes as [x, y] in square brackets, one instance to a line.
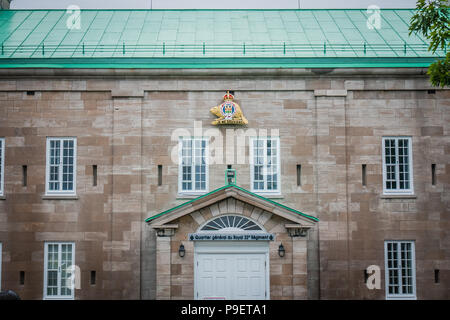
[228, 112]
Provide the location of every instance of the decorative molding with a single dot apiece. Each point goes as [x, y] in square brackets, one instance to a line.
[398, 196]
[165, 230]
[59, 197]
[133, 93]
[159, 74]
[330, 93]
[297, 230]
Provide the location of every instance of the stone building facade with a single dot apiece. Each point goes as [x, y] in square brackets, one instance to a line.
[125, 222]
[330, 124]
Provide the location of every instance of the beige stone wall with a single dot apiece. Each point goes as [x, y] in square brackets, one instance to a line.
[330, 123]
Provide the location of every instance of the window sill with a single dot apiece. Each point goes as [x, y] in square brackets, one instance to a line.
[398, 196]
[269, 195]
[400, 297]
[2, 197]
[59, 197]
[184, 196]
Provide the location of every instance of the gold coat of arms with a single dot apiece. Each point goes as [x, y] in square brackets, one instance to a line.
[229, 112]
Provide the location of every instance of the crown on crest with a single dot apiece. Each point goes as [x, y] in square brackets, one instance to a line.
[228, 96]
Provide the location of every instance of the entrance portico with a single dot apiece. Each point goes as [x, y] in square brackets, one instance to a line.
[231, 239]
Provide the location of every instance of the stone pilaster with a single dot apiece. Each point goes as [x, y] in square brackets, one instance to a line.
[299, 268]
[163, 268]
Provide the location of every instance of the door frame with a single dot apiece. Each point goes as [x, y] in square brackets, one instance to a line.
[1, 252]
[232, 247]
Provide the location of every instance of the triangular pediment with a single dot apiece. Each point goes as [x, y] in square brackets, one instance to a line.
[216, 201]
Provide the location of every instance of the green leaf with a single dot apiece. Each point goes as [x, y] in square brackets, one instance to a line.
[431, 19]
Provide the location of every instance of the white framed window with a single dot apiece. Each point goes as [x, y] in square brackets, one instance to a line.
[265, 171]
[58, 275]
[400, 269]
[2, 166]
[193, 165]
[397, 165]
[61, 165]
[1, 248]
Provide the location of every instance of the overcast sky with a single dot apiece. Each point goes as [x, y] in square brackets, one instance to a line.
[206, 4]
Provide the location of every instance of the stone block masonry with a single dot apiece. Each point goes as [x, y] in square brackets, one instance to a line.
[330, 124]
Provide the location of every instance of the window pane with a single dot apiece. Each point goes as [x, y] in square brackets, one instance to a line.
[67, 165]
[52, 269]
[403, 160]
[59, 269]
[193, 164]
[199, 164]
[396, 163]
[392, 267]
[230, 222]
[66, 271]
[54, 165]
[186, 161]
[272, 165]
[61, 165]
[52, 283]
[1, 162]
[400, 268]
[390, 163]
[265, 167]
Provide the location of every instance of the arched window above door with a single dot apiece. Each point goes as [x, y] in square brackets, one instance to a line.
[231, 223]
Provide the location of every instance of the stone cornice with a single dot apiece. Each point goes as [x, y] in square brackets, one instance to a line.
[285, 73]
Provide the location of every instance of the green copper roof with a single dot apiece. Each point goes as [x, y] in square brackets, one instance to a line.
[212, 34]
[236, 187]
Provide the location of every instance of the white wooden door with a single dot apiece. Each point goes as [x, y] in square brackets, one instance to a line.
[234, 276]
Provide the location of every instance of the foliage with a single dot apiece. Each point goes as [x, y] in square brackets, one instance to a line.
[432, 21]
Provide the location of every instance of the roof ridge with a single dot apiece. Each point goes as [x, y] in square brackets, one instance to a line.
[210, 9]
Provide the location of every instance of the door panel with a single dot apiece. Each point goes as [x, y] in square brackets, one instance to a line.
[213, 275]
[250, 277]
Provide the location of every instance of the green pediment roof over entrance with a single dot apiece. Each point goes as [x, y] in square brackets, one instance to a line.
[212, 194]
[209, 38]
